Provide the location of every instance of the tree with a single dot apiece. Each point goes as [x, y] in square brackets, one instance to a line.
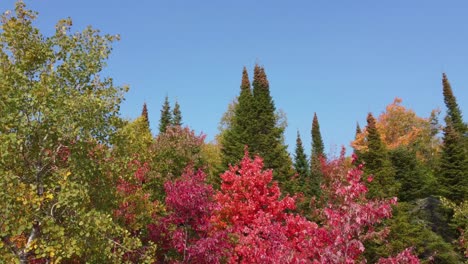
[176, 115]
[144, 114]
[187, 229]
[166, 116]
[300, 159]
[453, 110]
[238, 127]
[453, 172]
[316, 156]
[377, 164]
[401, 127]
[252, 211]
[55, 109]
[267, 136]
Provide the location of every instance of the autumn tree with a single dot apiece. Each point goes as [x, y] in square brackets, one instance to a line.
[401, 127]
[55, 110]
[166, 116]
[453, 172]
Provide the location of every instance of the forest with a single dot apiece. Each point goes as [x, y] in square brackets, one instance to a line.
[81, 184]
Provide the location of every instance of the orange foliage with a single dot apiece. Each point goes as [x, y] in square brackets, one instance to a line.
[398, 126]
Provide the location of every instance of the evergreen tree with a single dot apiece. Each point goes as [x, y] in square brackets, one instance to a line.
[378, 164]
[317, 154]
[301, 164]
[166, 116]
[416, 179]
[176, 115]
[453, 111]
[358, 129]
[236, 136]
[144, 114]
[453, 172]
[267, 136]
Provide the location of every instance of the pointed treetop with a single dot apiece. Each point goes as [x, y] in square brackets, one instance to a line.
[144, 114]
[317, 142]
[358, 129]
[176, 115]
[260, 78]
[453, 111]
[166, 116]
[245, 84]
[301, 163]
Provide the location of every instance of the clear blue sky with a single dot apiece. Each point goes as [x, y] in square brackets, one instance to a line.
[341, 59]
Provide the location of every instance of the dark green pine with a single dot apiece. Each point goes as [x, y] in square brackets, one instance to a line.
[176, 115]
[144, 114]
[317, 154]
[453, 111]
[453, 171]
[301, 163]
[236, 137]
[267, 136]
[378, 164]
[166, 116]
[358, 130]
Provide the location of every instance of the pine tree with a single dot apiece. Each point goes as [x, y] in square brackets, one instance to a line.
[166, 116]
[266, 134]
[358, 129]
[144, 114]
[453, 111]
[315, 157]
[453, 172]
[236, 137]
[301, 164]
[176, 115]
[378, 164]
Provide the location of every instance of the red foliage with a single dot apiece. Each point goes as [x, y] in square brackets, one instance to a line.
[251, 209]
[187, 228]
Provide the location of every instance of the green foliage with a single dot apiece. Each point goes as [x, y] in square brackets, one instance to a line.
[55, 110]
[301, 163]
[144, 114]
[166, 116]
[416, 179]
[408, 230]
[176, 115]
[317, 154]
[453, 171]
[267, 136]
[378, 164]
[238, 124]
[256, 124]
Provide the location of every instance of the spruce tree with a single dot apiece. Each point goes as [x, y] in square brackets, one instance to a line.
[453, 111]
[358, 129]
[301, 164]
[176, 115]
[315, 157]
[236, 137]
[144, 114]
[166, 116]
[267, 136]
[453, 171]
[378, 164]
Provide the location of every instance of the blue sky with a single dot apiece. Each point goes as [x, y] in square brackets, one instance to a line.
[341, 59]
